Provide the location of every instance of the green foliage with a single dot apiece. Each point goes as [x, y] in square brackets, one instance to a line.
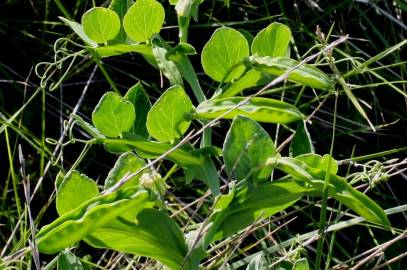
[68, 261]
[74, 190]
[169, 117]
[141, 102]
[101, 24]
[224, 53]
[143, 19]
[113, 115]
[272, 41]
[260, 109]
[301, 142]
[247, 147]
[305, 74]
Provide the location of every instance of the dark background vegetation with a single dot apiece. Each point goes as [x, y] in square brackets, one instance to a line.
[28, 30]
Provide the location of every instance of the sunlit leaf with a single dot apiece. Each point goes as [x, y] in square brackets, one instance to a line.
[101, 24]
[272, 41]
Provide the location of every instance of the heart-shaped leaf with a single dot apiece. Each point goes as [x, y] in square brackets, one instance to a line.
[247, 146]
[223, 54]
[272, 41]
[113, 115]
[101, 24]
[168, 119]
[143, 19]
[74, 190]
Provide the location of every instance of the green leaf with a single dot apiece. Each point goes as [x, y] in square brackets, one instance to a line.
[74, 190]
[247, 146]
[250, 79]
[113, 115]
[301, 264]
[68, 261]
[168, 118]
[75, 225]
[127, 163]
[318, 162]
[272, 41]
[141, 102]
[119, 49]
[260, 109]
[154, 235]
[196, 165]
[223, 54]
[305, 74]
[301, 142]
[250, 205]
[101, 24]
[78, 29]
[143, 19]
[167, 67]
[338, 188]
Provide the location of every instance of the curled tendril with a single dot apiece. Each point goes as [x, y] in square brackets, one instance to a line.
[46, 70]
[374, 172]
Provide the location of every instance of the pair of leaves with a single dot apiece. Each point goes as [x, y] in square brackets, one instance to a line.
[141, 21]
[224, 53]
[114, 114]
[311, 169]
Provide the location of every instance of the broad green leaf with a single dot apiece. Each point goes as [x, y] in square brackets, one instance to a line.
[338, 188]
[301, 264]
[119, 49]
[223, 54]
[304, 74]
[167, 67]
[169, 119]
[143, 19]
[196, 165]
[258, 263]
[127, 163]
[74, 190]
[141, 102]
[154, 235]
[78, 29]
[75, 225]
[68, 261]
[113, 115]
[260, 109]
[249, 37]
[101, 24]
[272, 41]
[246, 149]
[301, 142]
[250, 79]
[250, 205]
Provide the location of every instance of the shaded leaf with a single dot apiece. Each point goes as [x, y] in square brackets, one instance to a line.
[301, 143]
[78, 29]
[119, 49]
[68, 261]
[154, 235]
[141, 102]
[247, 146]
[223, 54]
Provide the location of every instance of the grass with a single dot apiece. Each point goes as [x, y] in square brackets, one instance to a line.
[373, 73]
